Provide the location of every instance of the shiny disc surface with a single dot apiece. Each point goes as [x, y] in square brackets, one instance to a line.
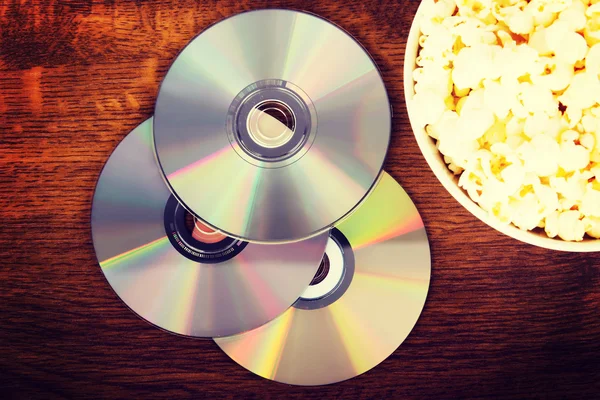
[280, 116]
[162, 283]
[310, 345]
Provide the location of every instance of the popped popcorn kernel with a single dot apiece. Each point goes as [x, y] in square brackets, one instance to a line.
[570, 226]
[592, 225]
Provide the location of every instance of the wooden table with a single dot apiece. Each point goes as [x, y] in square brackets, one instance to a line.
[503, 319]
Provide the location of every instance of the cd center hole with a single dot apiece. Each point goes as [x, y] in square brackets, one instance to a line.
[271, 123]
[322, 271]
[200, 231]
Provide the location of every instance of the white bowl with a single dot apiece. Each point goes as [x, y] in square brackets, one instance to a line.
[447, 178]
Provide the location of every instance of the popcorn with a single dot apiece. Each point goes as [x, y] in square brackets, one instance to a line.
[437, 47]
[538, 40]
[592, 61]
[496, 134]
[571, 48]
[510, 90]
[446, 125]
[520, 22]
[450, 143]
[596, 174]
[592, 225]
[474, 122]
[472, 32]
[434, 79]
[444, 8]
[498, 98]
[472, 180]
[474, 64]
[540, 155]
[590, 124]
[525, 212]
[537, 124]
[428, 106]
[572, 188]
[591, 31]
[574, 16]
[556, 76]
[475, 8]
[515, 126]
[547, 198]
[542, 15]
[570, 226]
[590, 203]
[501, 211]
[532, 99]
[567, 44]
[551, 224]
[435, 13]
[569, 136]
[573, 157]
[588, 141]
[555, 6]
[513, 177]
[583, 91]
[516, 62]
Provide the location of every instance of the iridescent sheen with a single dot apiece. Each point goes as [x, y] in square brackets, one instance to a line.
[371, 319]
[168, 289]
[295, 201]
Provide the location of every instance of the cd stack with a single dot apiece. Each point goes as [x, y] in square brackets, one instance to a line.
[253, 209]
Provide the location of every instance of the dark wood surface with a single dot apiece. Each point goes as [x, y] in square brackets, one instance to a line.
[503, 319]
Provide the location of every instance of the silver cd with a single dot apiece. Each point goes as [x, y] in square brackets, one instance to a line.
[178, 273]
[362, 306]
[272, 125]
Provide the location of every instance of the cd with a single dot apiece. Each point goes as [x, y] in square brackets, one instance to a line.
[175, 271]
[279, 115]
[363, 303]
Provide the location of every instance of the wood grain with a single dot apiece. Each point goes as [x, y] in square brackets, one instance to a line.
[503, 319]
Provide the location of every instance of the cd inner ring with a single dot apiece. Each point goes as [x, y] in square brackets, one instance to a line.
[340, 262]
[202, 245]
[271, 123]
[203, 233]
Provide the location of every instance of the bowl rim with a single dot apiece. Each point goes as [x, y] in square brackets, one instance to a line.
[446, 177]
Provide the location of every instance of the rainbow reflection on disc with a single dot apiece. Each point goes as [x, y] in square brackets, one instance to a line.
[350, 327]
[178, 273]
[279, 114]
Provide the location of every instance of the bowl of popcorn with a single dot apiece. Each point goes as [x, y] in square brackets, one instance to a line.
[504, 101]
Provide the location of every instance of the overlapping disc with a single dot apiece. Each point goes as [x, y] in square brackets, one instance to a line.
[380, 263]
[178, 273]
[272, 125]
